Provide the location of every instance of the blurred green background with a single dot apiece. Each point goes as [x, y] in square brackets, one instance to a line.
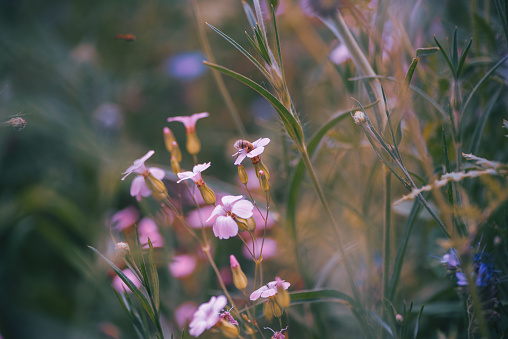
[93, 104]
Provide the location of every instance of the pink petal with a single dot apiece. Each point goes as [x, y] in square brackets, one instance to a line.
[240, 158]
[255, 152]
[137, 185]
[228, 200]
[243, 209]
[217, 211]
[201, 167]
[225, 227]
[257, 293]
[157, 172]
[195, 220]
[187, 121]
[261, 142]
[195, 117]
[185, 175]
[182, 266]
[269, 292]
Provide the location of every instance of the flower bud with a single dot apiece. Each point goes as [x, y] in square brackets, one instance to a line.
[242, 173]
[251, 224]
[175, 165]
[271, 309]
[263, 181]
[122, 249]
[242, 223]
[260, 166]
[176, 151]
[207, 193]
[193, 144]
[239, 278]
[156, 186]
[168, 139]
[282, 297]
[360, 118]
[228, 330]
[399, 318]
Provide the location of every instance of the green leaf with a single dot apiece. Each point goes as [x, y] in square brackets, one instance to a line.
[480, 124]
[502, 10]
[289, 121]
[401, 251]
[262, 44]
[477, 86]
[141, 297]
[250, 15]
[313, 296]
[242, 50]
[463, 58]
[409, 76]
[452, 69]
[154, 276]
[279, 54]
[455, 52]
[417, 326]
[426, 51]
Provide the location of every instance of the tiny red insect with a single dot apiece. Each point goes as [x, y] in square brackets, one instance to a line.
[126, 37]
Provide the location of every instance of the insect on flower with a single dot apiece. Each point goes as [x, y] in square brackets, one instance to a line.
[244, 144]
[126, 37]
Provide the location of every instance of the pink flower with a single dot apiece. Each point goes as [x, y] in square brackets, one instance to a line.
[124, 218]
[340, 54]
[119, 285]
[259, 148]
[207, 315]
[148, 229]
[195, 175]
[182, 266]
[228, 317]
[184, 313]
[224, 225]
[269, 289]
[138, 165]
[195, 220]
[138, 185]
[189, 122]
[269, 248]
[277, 335]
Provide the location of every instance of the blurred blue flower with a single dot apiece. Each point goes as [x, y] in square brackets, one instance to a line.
[451, 260]
[461, 279]
[185, 66]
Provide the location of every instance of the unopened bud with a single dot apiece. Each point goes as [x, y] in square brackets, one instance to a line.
[228, 330]
[207, 193]
[360, 118]
[282, 297]
[175, 165]
[122, 249]
[263, 181]
[271, 309]
[156, 186]
[239, 278]
[399, 318]
[242, 223]
[168, 139]
[242, 173]
[251, 224]
[193, 144]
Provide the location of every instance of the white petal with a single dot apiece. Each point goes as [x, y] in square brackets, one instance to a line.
[225, 227]
[201, 167]
[256, 151]
[269, 292]
[157, 172]
[257, 293]
[220, 303]
[243, 209]
[136, 185]
[240, 158]
[217, 211]
[261, 142]
[185, 175]
[228, 200]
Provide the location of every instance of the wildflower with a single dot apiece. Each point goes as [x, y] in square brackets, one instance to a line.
[124, 218]
[193, 144]
[278, 334]
[340, 54]
[182, 266]
[360, 118]
[451, 260]
[461, 279]
[195, 219]
[226, 315]
[149, 180]
[224, 216]
[195, 175]
[148, 229]
[269, 289]
[250, 150]
[122, 249]
[207, 315]
[184, 313]
[399, 318]
[239, 278]
[120, 286]
[185, 66]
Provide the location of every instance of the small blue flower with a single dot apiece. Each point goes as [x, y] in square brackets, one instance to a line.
[461, 279]
[185, 66]
[451, 259]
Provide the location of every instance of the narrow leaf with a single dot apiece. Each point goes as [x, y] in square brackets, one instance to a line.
[417, 326]
[312, 296]
[452, 69]
[455, 52]
[249, 14]
[141, 297]
[154, 276]
[463, 58]
[426, 51]
[480, 124]
[409, 76]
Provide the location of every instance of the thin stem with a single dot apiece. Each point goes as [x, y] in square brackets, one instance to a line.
[386, 233]
[206, 249]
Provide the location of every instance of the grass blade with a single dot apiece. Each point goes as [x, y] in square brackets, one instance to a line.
[154, 276]
[463, 58]
[480, 124]
[445, 56]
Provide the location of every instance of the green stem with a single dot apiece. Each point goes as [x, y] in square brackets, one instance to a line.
[386, 234]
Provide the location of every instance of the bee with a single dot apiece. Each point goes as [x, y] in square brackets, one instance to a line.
[127, 37]
[244, 144]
